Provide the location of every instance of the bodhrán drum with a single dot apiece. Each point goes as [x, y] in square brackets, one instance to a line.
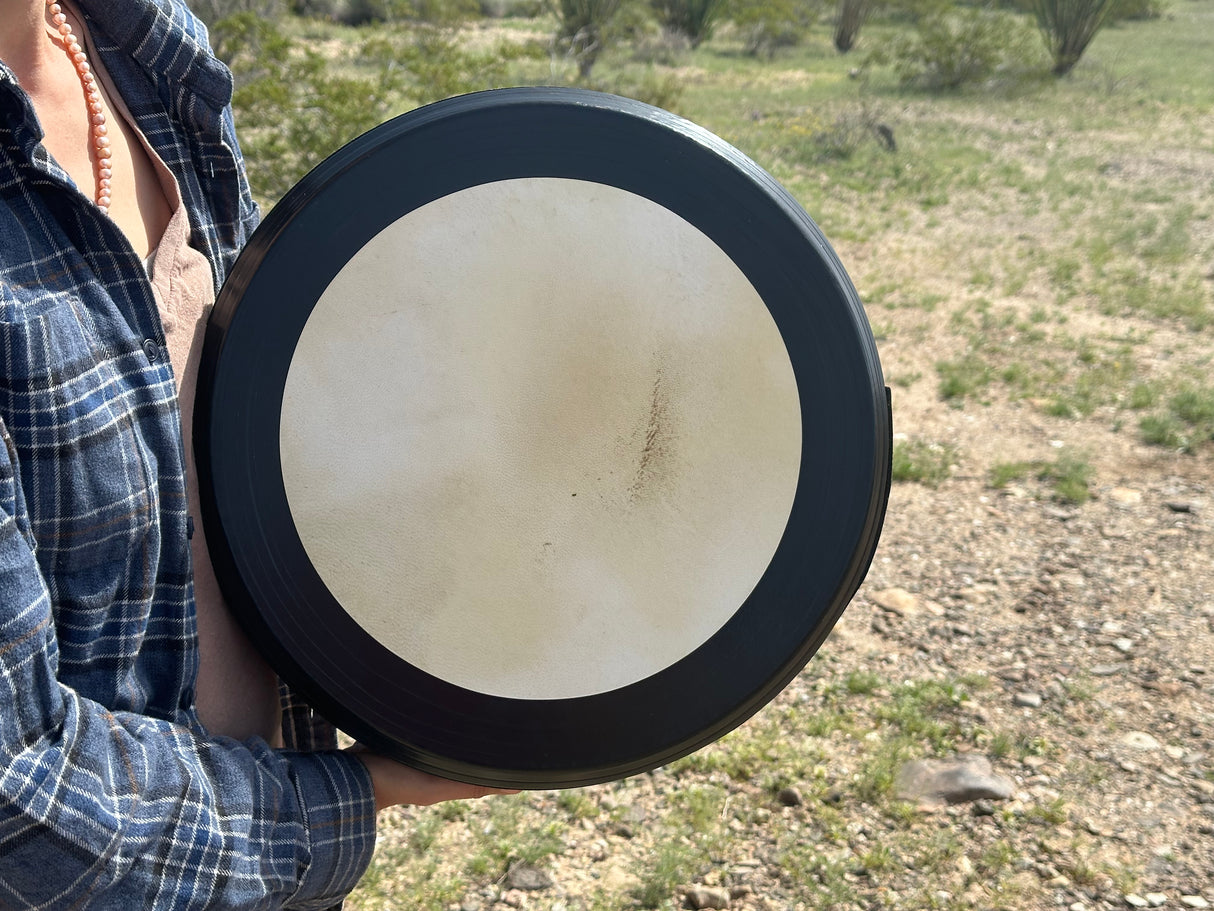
[542, 438]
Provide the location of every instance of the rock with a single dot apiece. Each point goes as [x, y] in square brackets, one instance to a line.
[1140, 740]
[528, 878]
[470, 903]
[963, 779]
[1027, 700]
[790, 797]
[897, 601]
[1105, 670]
[1125, 496]
[706, 897]
[1179, 505]
[1194, 901]
[1156, 899]
[1136, 901]
[1123, 645]
[983, 807]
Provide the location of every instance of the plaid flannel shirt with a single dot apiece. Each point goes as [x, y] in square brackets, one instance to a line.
[112, 796]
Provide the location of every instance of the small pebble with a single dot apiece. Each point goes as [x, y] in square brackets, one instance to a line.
[1136, 901]
[1194, 901]
[790, 797]
[1027, 700]
[1156, 899]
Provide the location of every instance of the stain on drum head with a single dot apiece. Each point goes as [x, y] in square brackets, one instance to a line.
[540, 438]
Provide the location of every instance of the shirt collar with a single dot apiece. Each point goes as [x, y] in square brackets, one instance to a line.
[164, 38]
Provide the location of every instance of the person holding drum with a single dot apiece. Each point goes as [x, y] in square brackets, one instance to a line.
[143, 758]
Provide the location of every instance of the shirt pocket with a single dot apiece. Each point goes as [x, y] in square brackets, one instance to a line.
[71, 398]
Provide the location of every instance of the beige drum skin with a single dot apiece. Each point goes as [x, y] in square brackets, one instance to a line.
[540, 438]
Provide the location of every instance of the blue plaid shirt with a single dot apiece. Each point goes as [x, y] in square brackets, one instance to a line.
[112, 796]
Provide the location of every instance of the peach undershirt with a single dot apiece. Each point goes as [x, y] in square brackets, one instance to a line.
[237, 693]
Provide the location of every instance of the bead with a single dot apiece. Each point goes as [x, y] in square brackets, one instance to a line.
[94, 103]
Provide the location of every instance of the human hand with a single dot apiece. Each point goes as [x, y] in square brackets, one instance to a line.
[396, 784]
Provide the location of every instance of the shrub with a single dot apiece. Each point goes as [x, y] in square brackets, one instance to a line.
[434, 12]
[949, 50]
[275, 76]
[768, 25]
[922, 461]
[584, 28]
[1135, 10]
[315, 9]
[693, 18]
[1068, 26]
[294, 108]
[213, 11]
[660, 90]
[852, 15]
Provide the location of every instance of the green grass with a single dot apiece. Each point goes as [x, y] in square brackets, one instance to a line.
[1068, 477]
[1184, 422]
[922, 461]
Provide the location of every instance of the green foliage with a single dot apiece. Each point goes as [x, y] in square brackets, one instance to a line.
[768, 25]
[213, 11]
[956, 47]
[922, 461]
[1069, 476]
[964, 376]
[434, 12]
[1136, 10]
[651, 86]
[584, 29]
[275, 76]
[332, 100]
[1068, 26]
[673, 863]
[851, 16]
[1186, 420]
[695, 19]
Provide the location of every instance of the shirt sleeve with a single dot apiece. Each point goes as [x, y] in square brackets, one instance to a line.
[136, 812]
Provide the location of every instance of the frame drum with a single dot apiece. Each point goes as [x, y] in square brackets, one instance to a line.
[542, 438]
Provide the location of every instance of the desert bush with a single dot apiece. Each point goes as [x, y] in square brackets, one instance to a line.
[663, 46]
[584, 29]
[949, 50]
[662, 90]
[295, 106]
[694, 19]
[768, 25]
[1068, 26]
[292, 109]
[433, 12]
[816, 136]
[212, 11]
[316, 9]
[1135, 10]
[851, 16]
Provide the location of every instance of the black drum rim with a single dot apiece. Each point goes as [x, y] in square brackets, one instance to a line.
[429, 723]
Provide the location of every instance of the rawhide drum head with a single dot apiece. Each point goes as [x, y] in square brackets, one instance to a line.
[542, 438]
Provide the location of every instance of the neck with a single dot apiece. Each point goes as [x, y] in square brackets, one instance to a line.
[24, 43]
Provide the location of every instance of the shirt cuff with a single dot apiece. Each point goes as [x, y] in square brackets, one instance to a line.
[338, 803]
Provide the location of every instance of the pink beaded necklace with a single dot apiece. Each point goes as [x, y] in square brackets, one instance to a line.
[92, 97]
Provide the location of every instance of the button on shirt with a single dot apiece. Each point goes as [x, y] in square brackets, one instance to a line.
[112, 795]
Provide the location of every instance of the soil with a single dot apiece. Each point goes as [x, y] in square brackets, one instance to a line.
[1080, 637]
